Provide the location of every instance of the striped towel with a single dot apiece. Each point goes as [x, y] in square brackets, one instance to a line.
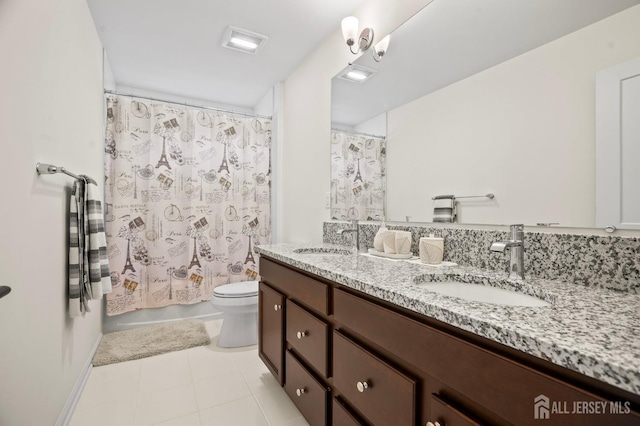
[444, 208]
[88, 264]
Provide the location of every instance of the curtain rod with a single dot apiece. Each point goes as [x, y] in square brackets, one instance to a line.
[246, 114]
[358, 134]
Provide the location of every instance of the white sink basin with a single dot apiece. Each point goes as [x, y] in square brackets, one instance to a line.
[483, 293]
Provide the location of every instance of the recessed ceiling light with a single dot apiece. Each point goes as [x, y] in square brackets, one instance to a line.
[356, 73]
[242, 40]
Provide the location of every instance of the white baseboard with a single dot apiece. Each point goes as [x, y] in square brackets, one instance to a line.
[69, 407]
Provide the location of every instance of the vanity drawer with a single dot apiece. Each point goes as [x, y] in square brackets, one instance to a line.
[446, 414]
[309, 395]
[308, 336]
[342, 416]
[384, 395]
[500, 385]
[299, 287]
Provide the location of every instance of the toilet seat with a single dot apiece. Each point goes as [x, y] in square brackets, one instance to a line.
[236, 290]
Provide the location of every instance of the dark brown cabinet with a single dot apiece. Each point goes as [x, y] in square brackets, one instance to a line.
[309, 337]
[380, 392]
[443, 414]
[342, 416]
[365, 361]
[271, 306]
[307, 393]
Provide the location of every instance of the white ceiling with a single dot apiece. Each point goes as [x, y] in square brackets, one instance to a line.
[174, 46]
[450, 40]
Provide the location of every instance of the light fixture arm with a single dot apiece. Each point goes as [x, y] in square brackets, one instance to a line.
[381, 48]
[349, 32]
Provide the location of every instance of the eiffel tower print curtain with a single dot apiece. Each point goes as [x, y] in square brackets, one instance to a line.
[187, 200]
[357, 176]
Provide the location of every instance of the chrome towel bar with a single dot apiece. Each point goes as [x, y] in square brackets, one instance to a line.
[489, 196]
[50, 169]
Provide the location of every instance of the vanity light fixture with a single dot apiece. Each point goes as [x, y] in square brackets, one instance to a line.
[350, 31]
[242, 40]
[356, 73]
[381, 48]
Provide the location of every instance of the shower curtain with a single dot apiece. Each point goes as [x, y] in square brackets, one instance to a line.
[357, 176]
[187, 201]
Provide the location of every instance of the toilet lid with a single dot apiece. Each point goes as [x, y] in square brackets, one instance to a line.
[241, 289]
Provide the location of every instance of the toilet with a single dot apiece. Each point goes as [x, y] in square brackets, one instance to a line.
[239, 304]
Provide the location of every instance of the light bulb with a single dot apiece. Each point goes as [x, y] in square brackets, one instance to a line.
[383, 45]
[350, 29]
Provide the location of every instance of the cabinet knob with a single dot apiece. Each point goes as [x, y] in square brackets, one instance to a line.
[433, 424]
[362, 386]
[300, 391]
[277, 307]
[301, 334]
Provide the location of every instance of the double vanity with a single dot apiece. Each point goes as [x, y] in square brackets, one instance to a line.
[358, 340]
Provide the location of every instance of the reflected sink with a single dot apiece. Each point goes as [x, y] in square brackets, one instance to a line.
[500, 292]
[322, 250]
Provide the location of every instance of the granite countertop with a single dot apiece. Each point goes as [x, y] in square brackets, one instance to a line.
[593, 331]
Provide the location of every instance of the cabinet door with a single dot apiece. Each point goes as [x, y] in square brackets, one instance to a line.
[271, 332]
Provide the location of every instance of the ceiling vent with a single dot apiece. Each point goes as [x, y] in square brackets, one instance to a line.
[242, 40]
[356, 74]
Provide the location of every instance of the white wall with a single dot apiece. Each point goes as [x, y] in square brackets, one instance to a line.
[523, 130]
[375, 126]
[179, 99]
[305, 153]
[51, 110]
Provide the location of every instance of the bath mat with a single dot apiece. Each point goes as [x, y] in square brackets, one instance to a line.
[151, 340]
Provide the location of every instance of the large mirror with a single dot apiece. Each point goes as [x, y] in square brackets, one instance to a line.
[477, 97]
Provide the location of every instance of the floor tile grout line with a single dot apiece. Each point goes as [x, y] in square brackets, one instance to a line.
[264, 414]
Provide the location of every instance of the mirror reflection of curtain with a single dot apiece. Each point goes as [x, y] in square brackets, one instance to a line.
[188, 198]
[357, 176]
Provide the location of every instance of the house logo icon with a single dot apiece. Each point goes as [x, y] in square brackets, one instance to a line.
[541, 407]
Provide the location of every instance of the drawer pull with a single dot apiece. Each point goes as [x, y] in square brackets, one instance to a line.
[277, 307]
[301, 334]
[362, 386]
[301, 391]
[433, 424]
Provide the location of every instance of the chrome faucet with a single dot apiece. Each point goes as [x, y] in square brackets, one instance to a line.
[356, 231]
[516, 247]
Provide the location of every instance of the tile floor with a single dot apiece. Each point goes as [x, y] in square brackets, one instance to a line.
[202, 386]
